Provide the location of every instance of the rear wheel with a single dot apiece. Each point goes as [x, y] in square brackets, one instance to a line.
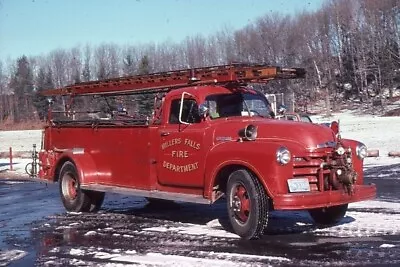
[329, 215]
[247, 204]
[96, 200]
[72, 196]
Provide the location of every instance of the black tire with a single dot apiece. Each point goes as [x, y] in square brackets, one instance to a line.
[96, 200]
[329, 215]
[72, 196]
[247, 204]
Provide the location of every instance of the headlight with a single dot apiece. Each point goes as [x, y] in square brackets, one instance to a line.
[283, 156]
[361, 151]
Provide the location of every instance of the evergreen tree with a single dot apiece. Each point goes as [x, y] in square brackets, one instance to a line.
[22, 85]
[86, 73]
[76, 76]
[144, 66]
[145, 101]
[44, 81]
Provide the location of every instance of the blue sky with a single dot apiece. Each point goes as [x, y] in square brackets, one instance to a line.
[34, 27]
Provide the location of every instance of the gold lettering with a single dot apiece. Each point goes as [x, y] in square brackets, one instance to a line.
[179, 154]
[181, 168]
[192, 144]
[185, 168]
[172, 142]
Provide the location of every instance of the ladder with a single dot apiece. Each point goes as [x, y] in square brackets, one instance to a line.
[166, 81]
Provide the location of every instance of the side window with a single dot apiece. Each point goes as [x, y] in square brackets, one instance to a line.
[305, 118]
[190, 112]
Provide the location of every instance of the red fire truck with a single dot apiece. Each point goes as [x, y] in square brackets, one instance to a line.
[211, 134]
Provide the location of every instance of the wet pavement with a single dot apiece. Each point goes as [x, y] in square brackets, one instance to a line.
[36, 230]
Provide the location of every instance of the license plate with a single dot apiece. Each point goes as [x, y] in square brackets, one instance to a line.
[299, 185]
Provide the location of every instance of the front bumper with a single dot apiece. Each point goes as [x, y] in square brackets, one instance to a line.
[301, 201]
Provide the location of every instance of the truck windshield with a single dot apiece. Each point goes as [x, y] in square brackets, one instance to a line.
[238, 104]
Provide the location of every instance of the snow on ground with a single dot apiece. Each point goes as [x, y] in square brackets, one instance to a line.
[19, 140]
[364, 219]
[18, 165]
[11, 255]
[375, 132]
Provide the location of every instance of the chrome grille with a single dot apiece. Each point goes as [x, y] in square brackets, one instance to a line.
[312, 169]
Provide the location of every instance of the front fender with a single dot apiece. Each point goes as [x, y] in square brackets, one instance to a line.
[258, 157]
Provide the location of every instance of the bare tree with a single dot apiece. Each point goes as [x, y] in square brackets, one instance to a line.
[86, 72]
[74, 69]
[106, 61]
[59, 63]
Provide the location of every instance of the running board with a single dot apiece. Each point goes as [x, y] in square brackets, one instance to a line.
[146, 193]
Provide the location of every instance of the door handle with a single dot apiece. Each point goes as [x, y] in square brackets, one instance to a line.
[164, 133]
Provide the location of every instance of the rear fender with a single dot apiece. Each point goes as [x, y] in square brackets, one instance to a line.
[84, 163]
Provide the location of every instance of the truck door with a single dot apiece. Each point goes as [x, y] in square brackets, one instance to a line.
[181, 151]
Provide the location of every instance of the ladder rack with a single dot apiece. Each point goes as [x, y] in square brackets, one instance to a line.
[165, 81]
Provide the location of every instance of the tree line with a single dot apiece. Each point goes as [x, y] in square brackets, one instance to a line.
[350, 49]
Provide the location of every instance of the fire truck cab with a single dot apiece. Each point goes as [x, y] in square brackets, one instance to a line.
[211, 134]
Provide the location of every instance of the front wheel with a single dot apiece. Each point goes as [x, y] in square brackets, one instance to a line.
[247, 204]
[329, 215]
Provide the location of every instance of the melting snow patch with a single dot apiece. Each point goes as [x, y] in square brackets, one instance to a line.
[74, 213]
[13, 182]
[54, 250]
[127, 236]
[247, 256]
[212, 228]
[103, 255]
[8, 256]
[172, 260]
[214, 224]
[366, 222]
[76, 262]
[387, 246]
[91, 233]
[77, 252]
[193, 229]
[156, 229]
[63, 227]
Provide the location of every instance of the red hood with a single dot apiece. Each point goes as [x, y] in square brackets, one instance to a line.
[307, 135]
